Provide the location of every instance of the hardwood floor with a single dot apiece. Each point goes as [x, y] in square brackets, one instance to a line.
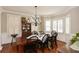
[8, 48]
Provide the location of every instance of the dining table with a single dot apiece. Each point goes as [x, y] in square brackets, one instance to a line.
[40, 37]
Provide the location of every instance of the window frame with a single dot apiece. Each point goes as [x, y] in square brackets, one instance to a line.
[45, 24]
[57, 24]
[63, 24]
[68, 25]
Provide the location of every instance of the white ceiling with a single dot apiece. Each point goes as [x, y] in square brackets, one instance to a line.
[42, 10]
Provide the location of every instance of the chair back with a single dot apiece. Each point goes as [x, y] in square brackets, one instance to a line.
[53, 38]
[54, 34]
[35, 33]
[34, 38]
[45, 38]
[41, 32]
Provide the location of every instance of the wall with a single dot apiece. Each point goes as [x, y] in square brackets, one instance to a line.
[6, 36]
[0, 28]
[0, 32]
[7, 30]
[74, 13]
[41, 26]
[0, 23]
[4, 23]
[74, 22]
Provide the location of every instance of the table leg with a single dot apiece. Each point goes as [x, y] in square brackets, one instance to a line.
[12, 41]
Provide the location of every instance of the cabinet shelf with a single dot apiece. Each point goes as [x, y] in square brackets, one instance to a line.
[26, 28]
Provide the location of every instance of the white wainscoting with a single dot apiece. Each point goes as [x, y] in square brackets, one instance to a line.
[64, 37]
[6, 38]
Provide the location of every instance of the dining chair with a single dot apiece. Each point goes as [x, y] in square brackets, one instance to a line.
[35, 33]
[45, 41]
[41, 32]
[31, 45]
[53, 39]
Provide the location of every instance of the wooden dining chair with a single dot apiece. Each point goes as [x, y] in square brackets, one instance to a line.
[35, 33]
[45, 40]
[42, 44]
[53, 39]
[31, 45]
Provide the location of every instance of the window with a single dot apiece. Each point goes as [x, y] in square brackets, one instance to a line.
[47, 25]
[67, 25]
[55, 25]
[58, 25]
[61, 25]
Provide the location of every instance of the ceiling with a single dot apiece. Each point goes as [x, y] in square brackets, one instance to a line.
[41, 10]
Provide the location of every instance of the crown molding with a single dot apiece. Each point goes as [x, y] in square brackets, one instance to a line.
[14, 12]
[28, 14]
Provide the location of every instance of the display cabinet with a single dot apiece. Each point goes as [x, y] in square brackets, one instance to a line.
[26, 28]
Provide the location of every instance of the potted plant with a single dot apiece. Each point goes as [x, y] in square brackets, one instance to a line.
[75, 38]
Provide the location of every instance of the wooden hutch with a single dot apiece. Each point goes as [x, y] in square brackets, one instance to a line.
[26, 28]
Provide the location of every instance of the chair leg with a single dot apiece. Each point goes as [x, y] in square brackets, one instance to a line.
[52, 44]
[17, 48]
[42, 48]
[56, 42]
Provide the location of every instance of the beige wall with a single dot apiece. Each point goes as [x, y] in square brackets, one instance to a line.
[74, 13]
[74, 22]
[0, 27]
[6, 38]
[74, 19]
[41, 26]
[0, 18]
[0, 23]
[4, 23]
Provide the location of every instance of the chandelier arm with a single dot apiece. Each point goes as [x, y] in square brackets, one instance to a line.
[36, 18]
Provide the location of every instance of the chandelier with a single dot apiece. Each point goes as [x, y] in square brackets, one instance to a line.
[36, 17]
